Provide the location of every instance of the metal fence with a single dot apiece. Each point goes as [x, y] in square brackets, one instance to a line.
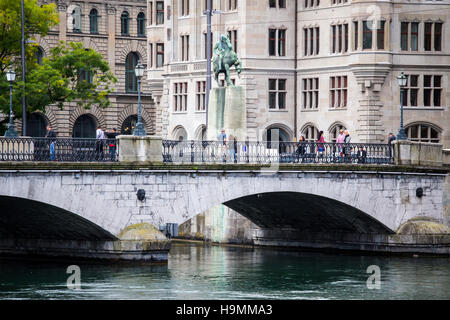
[58, 149]
[274, 152]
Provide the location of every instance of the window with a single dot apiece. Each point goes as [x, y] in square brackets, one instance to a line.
[130, 75]
[76, 15]
[184, 48]
[159, 12]
[310, 91]
[205, 42]
[281, 43]
[124, 23]
[150, 11]
[150, 55]
[277, 93]
[201, 96]
[310, 133]
[141, 24]
[438, 36]
[84, 127]
[340, 38]
[334, 132]
[272, 41]
[311, 3]
[180, 97]
[338, 92]
[184, 7]
[232, 35]
[414, 36]
[93, 21]
[367, 35]
[311, 41]
[409, 94]
[159, 55]
[39, 55]
[432, 90]
[355, 29]
[281, 3]
[232, 5]
[85, 76]
[380, 34]
[36, 125]
[129, 124]
[427, 36]
[338, 1]
[423, 133]
[404, 36]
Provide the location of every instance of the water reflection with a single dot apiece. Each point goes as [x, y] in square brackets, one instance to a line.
[211, 272]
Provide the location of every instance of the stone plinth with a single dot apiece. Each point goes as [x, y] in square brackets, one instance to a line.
[417, 154]
[227, 111]
[140, 149]
[446, 157]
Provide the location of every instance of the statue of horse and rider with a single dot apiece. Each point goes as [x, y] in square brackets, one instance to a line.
[224, 59]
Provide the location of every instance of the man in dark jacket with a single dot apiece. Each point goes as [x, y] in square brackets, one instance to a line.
[391, 138]
[362, 155]
[51, 134]
[111, 135]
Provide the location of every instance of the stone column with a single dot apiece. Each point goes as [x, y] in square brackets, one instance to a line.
[112, 38]
[62, 8]
[140, 149]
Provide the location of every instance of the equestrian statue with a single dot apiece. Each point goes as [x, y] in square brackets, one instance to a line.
[225, 58]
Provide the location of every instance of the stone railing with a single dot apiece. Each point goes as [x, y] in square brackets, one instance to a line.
[188, 66]
[418, 153]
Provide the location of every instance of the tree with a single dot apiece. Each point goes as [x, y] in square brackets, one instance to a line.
[70, 73]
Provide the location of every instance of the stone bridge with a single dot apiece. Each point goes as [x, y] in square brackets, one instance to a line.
[347, 203]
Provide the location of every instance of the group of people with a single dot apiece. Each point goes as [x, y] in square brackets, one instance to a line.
[222, 137]
[102, 137]
[344, 148]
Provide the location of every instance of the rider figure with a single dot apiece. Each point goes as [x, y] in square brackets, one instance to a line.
[221, 48]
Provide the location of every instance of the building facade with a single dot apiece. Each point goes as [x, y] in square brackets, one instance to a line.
[308, 66]
[117, 30]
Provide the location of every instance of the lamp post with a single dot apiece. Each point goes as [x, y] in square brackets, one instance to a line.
[24, 108]
[402, 84]
[139, 71]
[10, 133]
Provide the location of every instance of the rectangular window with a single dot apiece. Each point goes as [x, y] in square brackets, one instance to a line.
[272, 41]
[232, 35]
[311, 3]
[180, 97]
[340, 38]
[380, 34]
[281, 43]
[184, 48]
[432, 90]
[367, 35]
[232, 5]
[277, 93]
[427, 36]
[311, 41]
[159, 12]
[305, 45]
[438, 36]
[184, 8]
[272, 4]
[159, 55]
[338, 92]
[414, 36]
[205, 42]
[310, 91]
[355, 27]
[404, 36]
[150, 52]
[201, 96]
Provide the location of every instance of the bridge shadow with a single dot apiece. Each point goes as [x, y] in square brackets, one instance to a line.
[28, 219]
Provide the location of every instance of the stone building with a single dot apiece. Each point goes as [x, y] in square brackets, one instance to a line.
[116, 29]
[308, 65]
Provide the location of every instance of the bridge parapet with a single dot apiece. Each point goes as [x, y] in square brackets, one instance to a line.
[418, 154]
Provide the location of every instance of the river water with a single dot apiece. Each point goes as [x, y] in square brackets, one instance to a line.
[212, 272]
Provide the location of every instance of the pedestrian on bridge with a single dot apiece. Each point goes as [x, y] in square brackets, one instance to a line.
[52, 139]
[100, 136]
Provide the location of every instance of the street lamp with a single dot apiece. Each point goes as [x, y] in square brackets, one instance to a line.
[11, 77]
[139, 71]
[402, 79]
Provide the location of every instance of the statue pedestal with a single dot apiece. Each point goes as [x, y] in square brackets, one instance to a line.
[227, 111]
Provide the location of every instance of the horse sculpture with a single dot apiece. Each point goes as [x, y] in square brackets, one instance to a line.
[225, 58]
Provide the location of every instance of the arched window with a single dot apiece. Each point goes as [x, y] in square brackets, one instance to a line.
[39, 55]
[310, 133]
[200, 133]
[271, 136]
[423, 133]
[180, 134]
[130, 75]
[125, 25]
[76, 22]
[36, 125]
[141, 24]
[93, 21]
[129, 124]
[334, 131]
[84, 127]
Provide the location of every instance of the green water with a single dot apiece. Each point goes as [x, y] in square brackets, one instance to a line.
[203, 272]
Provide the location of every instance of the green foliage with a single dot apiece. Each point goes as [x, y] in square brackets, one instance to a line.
[64, 76]
[70, 73]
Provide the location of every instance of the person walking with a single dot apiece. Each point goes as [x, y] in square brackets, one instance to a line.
[320, 144]
[52, 139]
[391, 138]
[340, 140]
[301, 149]
[362, 155]
[100, 137]
[112, 135]
[347, 148]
